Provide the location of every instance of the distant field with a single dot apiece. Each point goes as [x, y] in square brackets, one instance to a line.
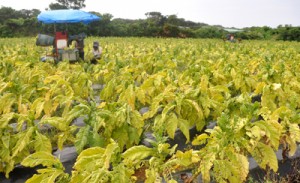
[243, 99]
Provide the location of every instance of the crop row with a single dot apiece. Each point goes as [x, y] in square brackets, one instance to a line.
[250, 91]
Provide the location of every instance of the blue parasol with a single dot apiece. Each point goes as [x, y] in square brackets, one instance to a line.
[66, 16]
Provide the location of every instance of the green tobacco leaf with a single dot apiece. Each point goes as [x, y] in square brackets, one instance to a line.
[240, 167]
[273, 131]
[171, 125]
[42, 143]
[128, 96]
[95, 139]
[134, 136]
[152, 176]
[292, 138]
[82, 138]
[64, 102]
[223, 170]
[204, 83]
[23, 140]
[42, 158]
[200, 139]
[22, 118]
[184, 126]
[78, 177]
[83, 177]
[46, 176]
[8, 162]
[184, 158]
[278, 113]
[108, 91]
[4, 85]
[100, 175]
[154, 107]
[38, 107]
[5, 118]
[123, 174]
[62, 137]
[205, 166]
[265, 156]
[136, 120]
[196, 107]
[57, 122]
[76, 112]
[47, 107]
[198, 113]
[49, 79]
[294, 132]
[67, 88]
[10, 165]
[268, 98]
[292, 145]
[141, 96]
[121, 135]
[110, 150]
[5, 139]
[137, 153]
[6, 102]
[169, 107]
[89, 159]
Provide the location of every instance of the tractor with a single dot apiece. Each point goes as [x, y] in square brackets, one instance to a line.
[61, 41]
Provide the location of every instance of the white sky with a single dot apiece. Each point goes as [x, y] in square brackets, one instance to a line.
[228, 13]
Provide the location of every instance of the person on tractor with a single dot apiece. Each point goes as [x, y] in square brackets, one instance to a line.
[79, 45]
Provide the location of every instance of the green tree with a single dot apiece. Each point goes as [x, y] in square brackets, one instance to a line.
[209, 32]
[29, 13]
[103, 27]
[155, 22]
[7, 13]
[120, 27]
[156, 17]
[67, 4]
[170, 30]
[173, 20]
[18, 23]
[288, 33]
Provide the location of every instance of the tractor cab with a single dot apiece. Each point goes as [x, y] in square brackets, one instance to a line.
[61, 41]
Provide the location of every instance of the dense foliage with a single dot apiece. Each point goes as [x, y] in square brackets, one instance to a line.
[15, 23]
[67, 4]
[183, 83]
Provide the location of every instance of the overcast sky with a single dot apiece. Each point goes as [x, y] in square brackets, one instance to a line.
[228, 13]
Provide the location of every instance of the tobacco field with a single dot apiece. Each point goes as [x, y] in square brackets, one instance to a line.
[243, 99]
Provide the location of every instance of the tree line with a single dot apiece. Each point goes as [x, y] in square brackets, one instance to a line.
[20, 23]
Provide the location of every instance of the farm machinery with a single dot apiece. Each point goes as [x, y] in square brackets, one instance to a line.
[231, 35]
[61, 41]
